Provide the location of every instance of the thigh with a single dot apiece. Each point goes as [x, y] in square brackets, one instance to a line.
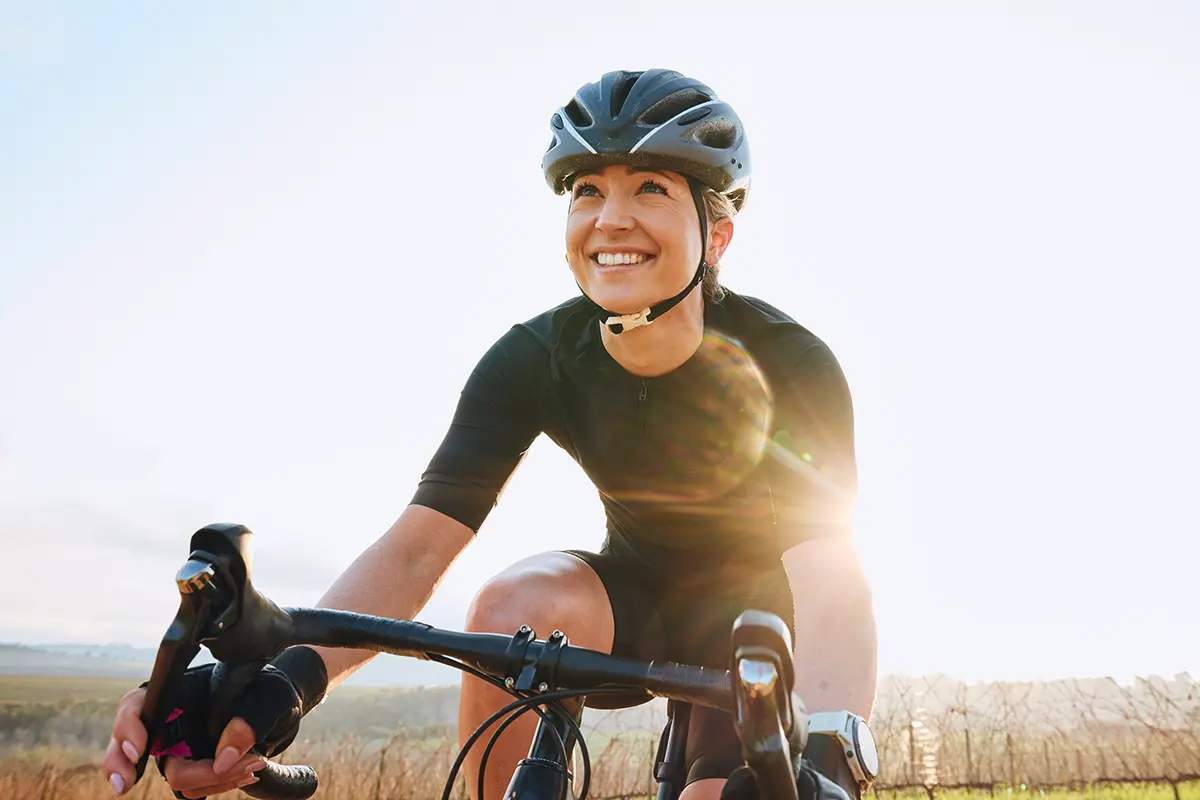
[698, 631]
[633, 597]
[703, 790]
[637, 625]
[713, 748]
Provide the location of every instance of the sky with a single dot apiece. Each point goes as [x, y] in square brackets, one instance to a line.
[249, 254]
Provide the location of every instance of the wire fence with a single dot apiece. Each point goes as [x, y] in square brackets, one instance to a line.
[936, 734]
[940, 732]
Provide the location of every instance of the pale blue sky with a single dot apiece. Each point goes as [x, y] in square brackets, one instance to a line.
[248, 255]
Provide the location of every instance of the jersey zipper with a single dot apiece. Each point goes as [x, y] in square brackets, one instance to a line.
[642, 412]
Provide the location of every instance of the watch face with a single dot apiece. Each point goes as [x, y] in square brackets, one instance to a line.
[867, 750]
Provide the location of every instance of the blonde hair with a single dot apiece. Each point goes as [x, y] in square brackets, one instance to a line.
[717, 207]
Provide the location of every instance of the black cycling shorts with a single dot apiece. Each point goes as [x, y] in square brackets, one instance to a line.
[688, 624]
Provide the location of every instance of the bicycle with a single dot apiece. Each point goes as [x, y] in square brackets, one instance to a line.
[221, 610]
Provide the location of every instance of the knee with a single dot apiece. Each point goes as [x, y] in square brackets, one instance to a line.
[553, 591]
[502, 604]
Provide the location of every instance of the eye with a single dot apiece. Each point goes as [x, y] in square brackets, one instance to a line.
[653, 186]
[584, 189]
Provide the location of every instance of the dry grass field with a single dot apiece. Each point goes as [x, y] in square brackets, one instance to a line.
[1138, 743]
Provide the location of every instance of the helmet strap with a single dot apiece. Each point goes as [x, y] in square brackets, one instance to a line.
[619, 323]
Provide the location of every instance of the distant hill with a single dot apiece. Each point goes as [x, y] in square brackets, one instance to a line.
[112, 652]
[123, 660]
[16, 659]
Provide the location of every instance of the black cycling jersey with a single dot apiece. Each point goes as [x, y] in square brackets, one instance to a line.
[741, 452]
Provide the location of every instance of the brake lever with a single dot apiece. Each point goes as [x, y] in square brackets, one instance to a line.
[766, 745]
[179, 645]
[220, 609]
[770, 720]
[251, 632]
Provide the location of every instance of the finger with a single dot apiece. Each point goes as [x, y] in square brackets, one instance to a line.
[218, 788]
[124, 747]
[236, 741]
[185, 775]
[128, 729]
[118, 769]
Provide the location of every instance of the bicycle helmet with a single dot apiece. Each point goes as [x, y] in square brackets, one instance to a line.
[658, 118]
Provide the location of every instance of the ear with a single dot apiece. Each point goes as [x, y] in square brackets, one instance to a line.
[718, 241]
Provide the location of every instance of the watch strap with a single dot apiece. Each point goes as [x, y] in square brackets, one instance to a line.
[830, 722]
[825, 752]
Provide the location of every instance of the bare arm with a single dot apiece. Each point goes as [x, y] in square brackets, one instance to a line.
[394, 577]
[497, 418]
[836, 649]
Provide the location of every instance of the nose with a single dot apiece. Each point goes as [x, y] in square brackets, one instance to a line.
[614, 216]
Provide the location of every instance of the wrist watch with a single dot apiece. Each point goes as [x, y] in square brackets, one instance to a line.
[852, 733]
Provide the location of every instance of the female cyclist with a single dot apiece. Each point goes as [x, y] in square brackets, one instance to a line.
[717, 430]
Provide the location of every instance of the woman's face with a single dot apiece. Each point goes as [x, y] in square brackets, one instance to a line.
[633, 237]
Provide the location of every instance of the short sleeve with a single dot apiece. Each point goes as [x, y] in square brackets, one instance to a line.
[498, 416]
[814, 481]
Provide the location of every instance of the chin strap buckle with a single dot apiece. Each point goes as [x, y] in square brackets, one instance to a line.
[628, 322]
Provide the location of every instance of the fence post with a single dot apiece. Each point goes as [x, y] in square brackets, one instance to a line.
[970, 777]
[1008, 750]
[912, 750]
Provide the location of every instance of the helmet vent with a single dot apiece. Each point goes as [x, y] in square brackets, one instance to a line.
[719, 133]
[578, 115]
[695, 115]
[672, 104]
[621, 89]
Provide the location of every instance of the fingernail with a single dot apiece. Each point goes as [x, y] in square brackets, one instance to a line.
[247, 782]
[130, 751]
[118, 783]
[255, 766]
[224, 760]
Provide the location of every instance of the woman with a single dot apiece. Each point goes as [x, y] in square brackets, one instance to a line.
[718, 432]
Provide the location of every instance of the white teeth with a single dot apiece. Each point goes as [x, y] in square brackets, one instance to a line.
[615, 259]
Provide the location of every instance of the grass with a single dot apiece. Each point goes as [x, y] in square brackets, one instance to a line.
[16, 689]
[1123, 791]
[62, 761]
[415, 770]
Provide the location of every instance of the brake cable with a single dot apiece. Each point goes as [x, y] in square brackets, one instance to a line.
[523, 705]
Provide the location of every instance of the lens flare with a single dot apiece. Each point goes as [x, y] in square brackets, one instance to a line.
[718, 435]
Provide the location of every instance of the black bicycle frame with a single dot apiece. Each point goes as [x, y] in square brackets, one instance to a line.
[543, 774]
[670, 765]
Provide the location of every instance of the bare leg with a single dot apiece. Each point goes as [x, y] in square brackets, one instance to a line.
[547, 592]
[708, 789]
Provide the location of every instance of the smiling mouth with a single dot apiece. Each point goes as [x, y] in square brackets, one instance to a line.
[618, 260]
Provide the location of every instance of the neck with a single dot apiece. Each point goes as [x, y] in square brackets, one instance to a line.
[665, 344]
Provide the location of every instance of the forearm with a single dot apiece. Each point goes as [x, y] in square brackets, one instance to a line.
[394, 577]
[836, 650]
